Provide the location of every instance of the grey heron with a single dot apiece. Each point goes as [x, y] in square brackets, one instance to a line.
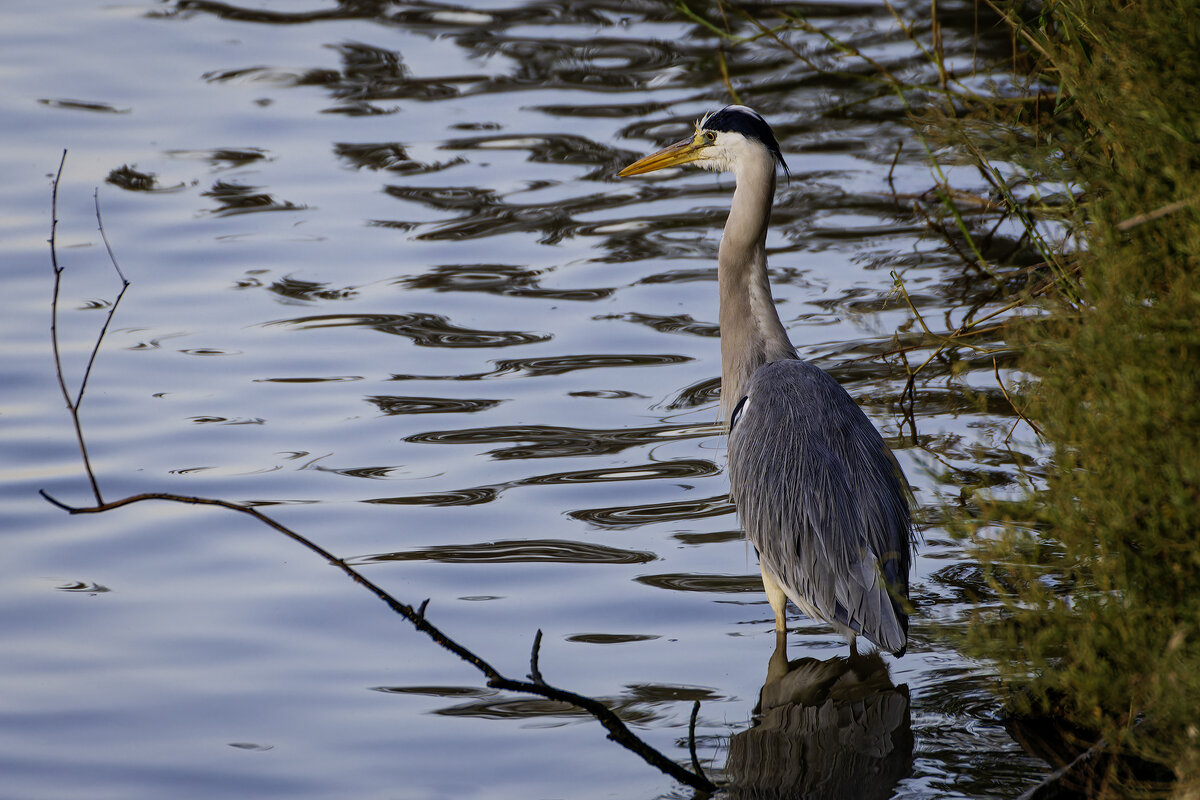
[819, 493]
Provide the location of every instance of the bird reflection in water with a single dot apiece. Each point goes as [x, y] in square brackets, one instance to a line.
[823, 729]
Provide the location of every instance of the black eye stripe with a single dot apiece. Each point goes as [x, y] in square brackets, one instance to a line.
[739, 119]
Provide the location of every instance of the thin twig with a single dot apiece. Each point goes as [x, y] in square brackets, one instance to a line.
[692, 740]
[535, 674]
[54, 213]
[892, 168]
[1020, 415]
[909, 409]
[1150, 216]
[725, 77]
[112, 309]
[72, 406]
[800, 21]
[898, 282]
[1050, 786]
[765, 31]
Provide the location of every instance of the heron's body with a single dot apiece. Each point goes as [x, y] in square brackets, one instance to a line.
[816, 488]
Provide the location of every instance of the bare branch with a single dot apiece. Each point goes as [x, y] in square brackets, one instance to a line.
[617, 730]
[54, 213]
[725, 76]
[72, 406]
[692, 740]
[535, 674]
[1020, 415]
[1150, 216]
[112, 309]
[103, 235]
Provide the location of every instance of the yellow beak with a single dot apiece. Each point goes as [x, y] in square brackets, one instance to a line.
[681, 152]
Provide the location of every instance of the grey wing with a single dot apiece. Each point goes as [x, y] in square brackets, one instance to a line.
[823, 500]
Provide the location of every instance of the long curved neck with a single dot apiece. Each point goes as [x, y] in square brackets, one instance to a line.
[751, 332]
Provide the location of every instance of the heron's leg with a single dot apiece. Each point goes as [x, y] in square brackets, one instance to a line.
[853, 646]
[778, 601]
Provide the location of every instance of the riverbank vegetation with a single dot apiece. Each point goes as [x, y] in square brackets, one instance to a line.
[1103, 620]
[1088, 139]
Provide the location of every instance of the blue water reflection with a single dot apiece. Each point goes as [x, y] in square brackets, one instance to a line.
[385, 286]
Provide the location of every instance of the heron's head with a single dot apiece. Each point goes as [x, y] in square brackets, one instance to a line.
[723, 140]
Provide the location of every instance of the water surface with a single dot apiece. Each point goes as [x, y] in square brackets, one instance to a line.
[386, 284]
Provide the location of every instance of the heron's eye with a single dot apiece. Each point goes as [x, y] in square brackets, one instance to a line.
[709, 137]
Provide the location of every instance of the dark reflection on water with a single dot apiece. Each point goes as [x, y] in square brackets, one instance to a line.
[692, 582]
[499, 279]
[610, 638]
[487, 213]
[677, 323]
[82, 105]
[549, 441]
[704, 393]
[226, 421]
[308, 291]
[223, 157]
[456, 497]
[529, 551]
[323, 379]
[618, 517]
[611, 518]
[427, 330]
[557, 365]
[133, 180]
[234, 198]
[389, 156]
[824, 729]
[83, 586]
[639, 705]
[547, 149]
[394, 404]
[438, 691]
[373, 473]
[679, 468]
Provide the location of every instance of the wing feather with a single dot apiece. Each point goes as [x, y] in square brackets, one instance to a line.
[823, 500]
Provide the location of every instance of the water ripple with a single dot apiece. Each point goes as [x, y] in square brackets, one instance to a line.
[389, 156]
[681, 468]
[611, 638]
[690, 582]
[82, 105]
[517, 552]
[426, 330]
[678, 323]
[558, 365]
[460, 497]
[549, 441]
[396, 404]
[620, 517]
[497, 279]
[84, 587]
[234, 198]
[309, 291]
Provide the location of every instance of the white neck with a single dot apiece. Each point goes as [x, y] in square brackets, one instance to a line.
[751, 331]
